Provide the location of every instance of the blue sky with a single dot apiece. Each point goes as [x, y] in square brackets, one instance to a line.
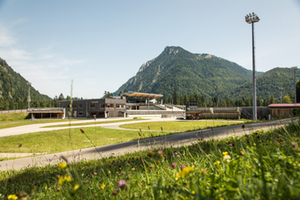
[101, 44]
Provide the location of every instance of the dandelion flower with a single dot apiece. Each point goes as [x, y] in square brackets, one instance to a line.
[102, 186]
[12, 196]
[225, 153]
[62, 165]
[217, 162]
[68, 178]
[185, 171]
[61, 180]
[76, 187]
[193, 192]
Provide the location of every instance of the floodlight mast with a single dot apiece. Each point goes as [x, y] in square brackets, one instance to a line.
[251, 19]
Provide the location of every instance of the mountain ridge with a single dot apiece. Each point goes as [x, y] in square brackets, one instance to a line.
[177, 68]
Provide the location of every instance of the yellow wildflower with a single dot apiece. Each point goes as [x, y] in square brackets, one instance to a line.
[284, 157]
[68, 178]
[217, 162]
[221, 198]
[12, 196]
[102, 186]
[185, 171]
[254, 144]
[249, 166]
[76, 187]
[62, 165]
[193, 192]
[61, 180]
[225, 153]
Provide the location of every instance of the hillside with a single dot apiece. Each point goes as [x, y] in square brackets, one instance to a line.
[267, 84]
[189, 73]
[14, 86]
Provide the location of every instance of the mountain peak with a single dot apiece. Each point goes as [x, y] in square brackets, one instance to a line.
[172, 50]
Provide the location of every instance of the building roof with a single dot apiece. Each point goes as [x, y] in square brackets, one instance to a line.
[144, 95]
[284, 105]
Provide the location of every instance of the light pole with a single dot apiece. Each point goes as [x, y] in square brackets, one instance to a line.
[28, 99]
[251, 19]
[294, 69]
[281, 88]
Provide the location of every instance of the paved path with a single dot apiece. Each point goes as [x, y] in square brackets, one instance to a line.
[127, 147]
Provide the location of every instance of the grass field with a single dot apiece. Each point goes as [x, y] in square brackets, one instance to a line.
[180, 125]
[263, 165]
[92, 123]
[59, 140]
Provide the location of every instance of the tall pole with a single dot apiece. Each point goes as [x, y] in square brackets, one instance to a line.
[251, 18]
[294, 69]
[254, 77]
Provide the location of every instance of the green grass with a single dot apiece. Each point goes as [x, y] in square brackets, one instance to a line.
[92, 123]
[263, 165]
[43, 142]
[178, 126]
[59, 140]
[13, 116]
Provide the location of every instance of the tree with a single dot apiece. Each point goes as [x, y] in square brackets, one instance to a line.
[287, 99]
[298, 91]
[175, 97]
[61, 97]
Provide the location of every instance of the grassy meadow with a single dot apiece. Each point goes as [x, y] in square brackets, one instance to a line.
[263, 165]
[71, 139]
[180, 126]
[92, 123]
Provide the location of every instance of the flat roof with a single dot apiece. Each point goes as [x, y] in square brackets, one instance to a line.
[284, 105]
[145, 95]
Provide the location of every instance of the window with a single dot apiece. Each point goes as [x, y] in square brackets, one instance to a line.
[102, 105]
[109, 105]
[92, 105]
[120, 106]
[80, 113]
[74, 106]
[80, 106]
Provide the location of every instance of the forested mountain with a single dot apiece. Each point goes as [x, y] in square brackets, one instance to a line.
[14, 89]
[188, 73]
[267, 84]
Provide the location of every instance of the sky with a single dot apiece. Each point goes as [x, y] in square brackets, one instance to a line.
[100, 44]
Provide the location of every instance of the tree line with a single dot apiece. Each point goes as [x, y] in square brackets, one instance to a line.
[204, 101]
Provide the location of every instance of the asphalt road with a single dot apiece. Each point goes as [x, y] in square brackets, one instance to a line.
[127, 147]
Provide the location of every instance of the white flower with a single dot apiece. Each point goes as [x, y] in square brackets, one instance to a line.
[227, 158]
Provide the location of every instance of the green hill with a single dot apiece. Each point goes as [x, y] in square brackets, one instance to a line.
[14, 86]
[188, 73]
[267, 84]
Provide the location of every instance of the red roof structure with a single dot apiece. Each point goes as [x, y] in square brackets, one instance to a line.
[284, 105]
